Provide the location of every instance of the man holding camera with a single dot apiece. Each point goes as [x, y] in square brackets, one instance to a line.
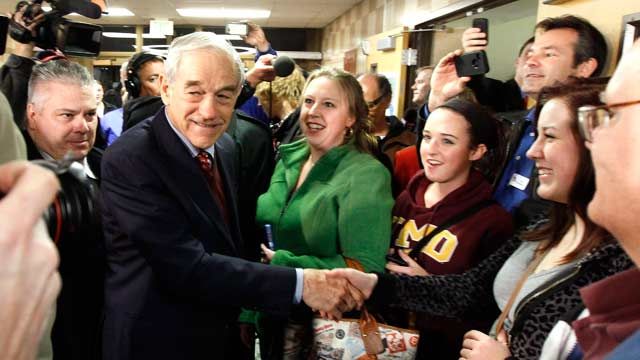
[61, 126]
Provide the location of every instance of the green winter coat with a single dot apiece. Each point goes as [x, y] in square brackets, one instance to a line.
[343, 209]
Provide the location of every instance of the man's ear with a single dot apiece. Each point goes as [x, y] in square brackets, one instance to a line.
[586, 68]
[31, 116]
[165, 89]
[386, 102]
[478, 152]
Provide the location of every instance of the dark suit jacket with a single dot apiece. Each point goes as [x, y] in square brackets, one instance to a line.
[499, 96]
[173, 281]
[256, 164]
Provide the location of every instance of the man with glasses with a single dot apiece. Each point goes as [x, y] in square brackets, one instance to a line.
[391, 134]
[612, 132]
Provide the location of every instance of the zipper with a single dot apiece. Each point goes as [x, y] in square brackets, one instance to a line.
[292, 193]
[543, 290]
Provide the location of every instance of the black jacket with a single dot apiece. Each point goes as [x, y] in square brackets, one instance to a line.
[76, 330]
[497, 95]
[14, 81]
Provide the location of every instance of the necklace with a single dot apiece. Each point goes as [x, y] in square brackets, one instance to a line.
[311, 161]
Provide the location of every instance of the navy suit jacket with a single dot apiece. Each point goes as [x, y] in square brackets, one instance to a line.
[173, 280]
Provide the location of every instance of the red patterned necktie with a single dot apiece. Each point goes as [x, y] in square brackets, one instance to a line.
[212, 174]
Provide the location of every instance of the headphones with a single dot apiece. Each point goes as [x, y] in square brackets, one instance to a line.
[132, 83]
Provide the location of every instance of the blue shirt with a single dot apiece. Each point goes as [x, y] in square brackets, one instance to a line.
[628, 350]
[253, 108]
[111, 125]
[270, 50]
[505, 193]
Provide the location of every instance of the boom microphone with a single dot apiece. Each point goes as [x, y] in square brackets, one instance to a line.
[284, 66]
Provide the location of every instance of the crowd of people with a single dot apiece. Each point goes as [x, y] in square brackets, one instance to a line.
[223, 212]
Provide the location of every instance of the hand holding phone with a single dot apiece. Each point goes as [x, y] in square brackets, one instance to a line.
[483, 25]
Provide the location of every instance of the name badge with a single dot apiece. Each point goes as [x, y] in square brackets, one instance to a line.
[519, 182]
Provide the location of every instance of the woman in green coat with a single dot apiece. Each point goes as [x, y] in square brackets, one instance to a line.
[329, 198]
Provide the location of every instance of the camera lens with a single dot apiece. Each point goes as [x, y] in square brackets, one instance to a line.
[73, 212]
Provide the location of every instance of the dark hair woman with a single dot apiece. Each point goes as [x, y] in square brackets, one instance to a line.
[533, 282]
[458, 136]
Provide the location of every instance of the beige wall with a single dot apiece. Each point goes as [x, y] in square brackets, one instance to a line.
[389, 63]
[371, 17]
[606, 15]
[510, 26]
[368, 18]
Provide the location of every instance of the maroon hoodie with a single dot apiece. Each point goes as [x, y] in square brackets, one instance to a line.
[464, 244]
[457, 249]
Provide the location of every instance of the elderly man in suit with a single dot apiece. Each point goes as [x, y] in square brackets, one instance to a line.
[174, 282]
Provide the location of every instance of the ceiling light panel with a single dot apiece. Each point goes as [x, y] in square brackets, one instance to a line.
[224, 13]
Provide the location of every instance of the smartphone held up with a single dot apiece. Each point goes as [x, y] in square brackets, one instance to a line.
[237, 28]
[474, 63]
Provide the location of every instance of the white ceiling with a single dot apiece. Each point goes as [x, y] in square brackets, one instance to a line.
[284, 13]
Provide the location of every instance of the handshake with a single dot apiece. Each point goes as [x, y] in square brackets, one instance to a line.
[334, 292]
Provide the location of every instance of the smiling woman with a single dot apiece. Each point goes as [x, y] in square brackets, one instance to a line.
[535, 277]
[457, 135]
[329, 199]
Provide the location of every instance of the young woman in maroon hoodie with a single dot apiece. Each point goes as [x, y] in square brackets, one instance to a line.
[457, 136]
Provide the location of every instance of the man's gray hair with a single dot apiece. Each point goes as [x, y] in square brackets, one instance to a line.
[63, 71]
[201, 41]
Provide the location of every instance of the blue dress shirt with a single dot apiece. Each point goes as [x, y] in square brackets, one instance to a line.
[507, 195]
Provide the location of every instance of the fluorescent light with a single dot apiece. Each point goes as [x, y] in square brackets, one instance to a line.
[112, 11]
[122, 35]
[230, 37]
[222, 13]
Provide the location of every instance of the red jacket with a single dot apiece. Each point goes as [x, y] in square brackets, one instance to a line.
[405, 167]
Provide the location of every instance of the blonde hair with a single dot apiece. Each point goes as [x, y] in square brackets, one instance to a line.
[282, 89]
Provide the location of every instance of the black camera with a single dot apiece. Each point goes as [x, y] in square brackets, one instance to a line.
[57, 32]
[472, 63]
[75, 212]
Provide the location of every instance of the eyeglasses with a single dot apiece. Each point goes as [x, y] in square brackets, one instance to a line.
[590, 117]
[376, 102]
